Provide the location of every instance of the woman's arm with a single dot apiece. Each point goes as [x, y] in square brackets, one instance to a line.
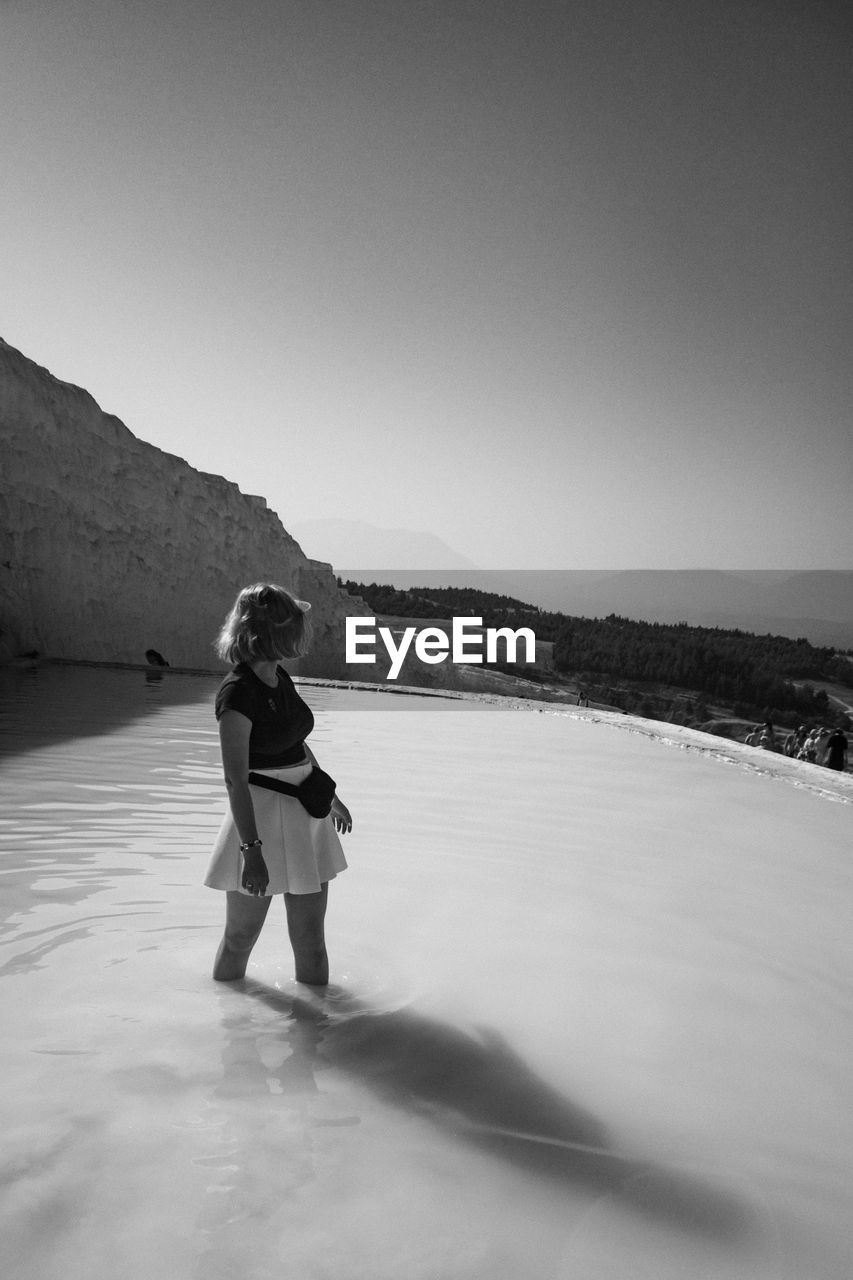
[234, 732]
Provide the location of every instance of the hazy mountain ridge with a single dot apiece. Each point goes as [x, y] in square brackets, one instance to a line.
[339, 540]
[814, 604]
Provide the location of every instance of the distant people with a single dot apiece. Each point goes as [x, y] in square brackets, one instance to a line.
[813, 746]
[836, 750]
[762, 736]
[794, 741]
[820, 746]
[155, 659]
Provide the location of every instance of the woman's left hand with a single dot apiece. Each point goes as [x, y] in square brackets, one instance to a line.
[341, 816]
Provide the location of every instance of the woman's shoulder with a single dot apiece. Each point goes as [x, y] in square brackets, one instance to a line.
[239, 675]
[236, 691]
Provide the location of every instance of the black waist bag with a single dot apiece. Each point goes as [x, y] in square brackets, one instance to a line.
[315, 793]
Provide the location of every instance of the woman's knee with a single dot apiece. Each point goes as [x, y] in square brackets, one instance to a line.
[244, 920]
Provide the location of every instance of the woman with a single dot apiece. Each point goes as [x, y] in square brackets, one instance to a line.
[268, 842]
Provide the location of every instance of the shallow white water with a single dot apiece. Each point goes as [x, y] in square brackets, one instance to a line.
[591, 1009]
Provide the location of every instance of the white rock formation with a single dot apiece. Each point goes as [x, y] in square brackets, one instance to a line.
[109, 546]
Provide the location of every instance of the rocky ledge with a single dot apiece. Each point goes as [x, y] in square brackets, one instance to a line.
[110, 547]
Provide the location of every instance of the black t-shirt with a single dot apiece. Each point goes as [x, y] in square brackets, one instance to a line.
[281, 721]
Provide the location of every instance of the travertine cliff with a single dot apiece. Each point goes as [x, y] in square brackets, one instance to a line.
[109, 546]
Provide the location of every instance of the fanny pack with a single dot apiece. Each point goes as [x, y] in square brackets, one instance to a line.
[315, 793]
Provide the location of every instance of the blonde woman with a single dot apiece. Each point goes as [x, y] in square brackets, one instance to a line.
[269, 843]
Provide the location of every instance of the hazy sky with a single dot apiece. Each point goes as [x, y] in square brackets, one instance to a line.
[567, 284]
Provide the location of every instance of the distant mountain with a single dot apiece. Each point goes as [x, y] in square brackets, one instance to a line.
[815, 604]
[346, 542]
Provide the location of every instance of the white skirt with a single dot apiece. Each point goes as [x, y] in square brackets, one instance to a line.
[301, 852]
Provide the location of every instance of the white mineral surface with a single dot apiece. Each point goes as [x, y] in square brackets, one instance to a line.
[590, 1012]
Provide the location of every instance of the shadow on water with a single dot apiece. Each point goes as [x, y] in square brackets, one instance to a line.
[47, 704]
[477, 1088]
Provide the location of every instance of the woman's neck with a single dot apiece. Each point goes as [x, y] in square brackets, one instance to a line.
[266, 671]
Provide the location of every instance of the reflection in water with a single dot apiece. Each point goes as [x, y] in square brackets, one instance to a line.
[474, 1086]
[267, 1085]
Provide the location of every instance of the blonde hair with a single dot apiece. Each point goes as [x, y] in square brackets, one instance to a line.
[266, 623]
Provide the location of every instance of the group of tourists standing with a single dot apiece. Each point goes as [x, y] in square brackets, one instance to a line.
[818, 745]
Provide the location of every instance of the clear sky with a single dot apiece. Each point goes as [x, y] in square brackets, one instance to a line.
[566, 284]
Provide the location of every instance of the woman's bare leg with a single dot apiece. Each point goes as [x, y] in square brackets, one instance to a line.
[244, 919]
[306, 913]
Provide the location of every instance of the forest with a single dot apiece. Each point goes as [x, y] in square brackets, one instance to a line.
[754, 675]
[621, 659]
[446, 602]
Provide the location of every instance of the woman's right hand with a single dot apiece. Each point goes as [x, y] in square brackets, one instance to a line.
[255, 878]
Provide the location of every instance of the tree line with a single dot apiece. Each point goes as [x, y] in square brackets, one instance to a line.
[753, 674]
[441, 602]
